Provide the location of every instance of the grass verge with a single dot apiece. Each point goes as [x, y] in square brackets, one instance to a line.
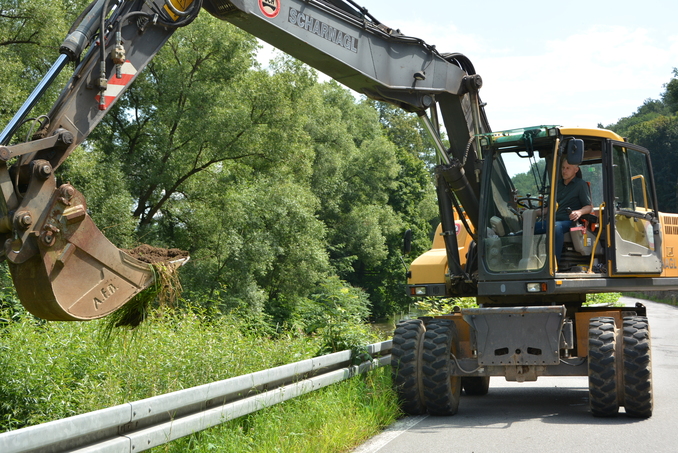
[55, 370]
[332, 419]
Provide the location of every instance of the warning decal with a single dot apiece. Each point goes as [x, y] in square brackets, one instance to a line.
[116, 85]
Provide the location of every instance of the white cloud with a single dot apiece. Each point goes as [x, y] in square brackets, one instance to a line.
[596, 76]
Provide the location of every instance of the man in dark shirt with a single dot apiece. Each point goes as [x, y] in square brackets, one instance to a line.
[572, 193]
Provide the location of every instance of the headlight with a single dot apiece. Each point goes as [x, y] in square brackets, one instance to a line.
[536, 287]
[418, 291]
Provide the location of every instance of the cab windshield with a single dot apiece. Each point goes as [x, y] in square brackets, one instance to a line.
[519, 185]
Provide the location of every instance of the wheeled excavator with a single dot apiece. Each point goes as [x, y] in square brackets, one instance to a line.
[492, 189]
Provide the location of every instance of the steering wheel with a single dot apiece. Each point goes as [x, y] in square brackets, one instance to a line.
[528, 202]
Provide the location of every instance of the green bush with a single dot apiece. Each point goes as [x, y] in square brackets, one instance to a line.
[434, 306]
[611, 299]
[336, 314]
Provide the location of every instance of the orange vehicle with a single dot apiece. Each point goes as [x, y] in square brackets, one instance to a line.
[531, 322]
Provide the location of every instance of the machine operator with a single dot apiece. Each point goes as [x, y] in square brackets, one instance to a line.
[574, 200]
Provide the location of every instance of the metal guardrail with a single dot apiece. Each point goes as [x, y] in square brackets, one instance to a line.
[144, 424]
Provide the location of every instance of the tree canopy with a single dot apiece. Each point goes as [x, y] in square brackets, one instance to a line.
[655, 126]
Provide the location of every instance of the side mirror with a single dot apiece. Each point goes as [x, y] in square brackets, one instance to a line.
[407, 241]
[575, 151]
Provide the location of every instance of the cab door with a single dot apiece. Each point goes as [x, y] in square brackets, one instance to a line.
[632, 212]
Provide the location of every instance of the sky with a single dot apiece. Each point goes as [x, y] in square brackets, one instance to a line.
[578, 65]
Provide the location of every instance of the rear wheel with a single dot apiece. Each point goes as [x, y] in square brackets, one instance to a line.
[406, 365]
[602, 363]
[476, 385]
[638, 399]
[441, 389]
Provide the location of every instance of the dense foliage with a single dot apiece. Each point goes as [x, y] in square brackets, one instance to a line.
[655, 126]
[274, 182]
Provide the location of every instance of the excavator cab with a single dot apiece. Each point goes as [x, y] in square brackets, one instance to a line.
[619, 238]
[515, 243]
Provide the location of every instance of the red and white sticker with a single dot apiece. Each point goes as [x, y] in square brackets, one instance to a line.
[116, 85]
[270, 8]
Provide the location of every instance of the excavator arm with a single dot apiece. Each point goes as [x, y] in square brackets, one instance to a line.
[62, 265]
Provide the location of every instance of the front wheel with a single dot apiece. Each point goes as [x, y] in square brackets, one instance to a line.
[406, 365]
[441, 388]
[603, 399]
[638, 399]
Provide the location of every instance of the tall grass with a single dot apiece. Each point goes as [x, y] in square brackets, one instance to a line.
[54, 370]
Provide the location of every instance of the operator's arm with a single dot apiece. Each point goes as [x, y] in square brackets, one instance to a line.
[577, 213]
[584, 199]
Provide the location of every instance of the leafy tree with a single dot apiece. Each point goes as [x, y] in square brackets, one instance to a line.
[405, 130]
[670, 96]
[655, 126]
[258, 244]
[371, 189]
[171, 125]
[218, 162]
[660, 136]
[412, 198]
[651, 109]
[353, 167]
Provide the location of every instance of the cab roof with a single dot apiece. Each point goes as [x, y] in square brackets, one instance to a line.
[544, 131]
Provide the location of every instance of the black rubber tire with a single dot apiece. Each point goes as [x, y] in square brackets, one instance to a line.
[476, 385]
[602, 364]
[441, 389]
[406, 353]
[638, 399]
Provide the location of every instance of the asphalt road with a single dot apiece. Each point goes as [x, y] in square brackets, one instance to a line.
[550, 415]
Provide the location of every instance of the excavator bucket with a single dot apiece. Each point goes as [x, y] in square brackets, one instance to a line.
[63, 267]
